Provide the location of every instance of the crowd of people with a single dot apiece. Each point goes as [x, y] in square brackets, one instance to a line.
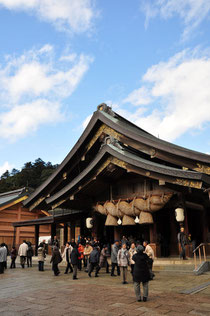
[90, 255]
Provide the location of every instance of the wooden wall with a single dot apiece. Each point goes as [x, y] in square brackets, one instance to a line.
[14, 214]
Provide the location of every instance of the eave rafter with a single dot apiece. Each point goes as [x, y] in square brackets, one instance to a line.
[36, 203]
[129, 168]
[164, 178]
[110, 160]
[152, 152]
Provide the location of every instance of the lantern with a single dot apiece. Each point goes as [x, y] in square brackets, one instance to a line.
[179, 213]
[119, 222]
[89, 222]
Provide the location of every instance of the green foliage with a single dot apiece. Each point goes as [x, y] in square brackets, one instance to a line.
[31, 175]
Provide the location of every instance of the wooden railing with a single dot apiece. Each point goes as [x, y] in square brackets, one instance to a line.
[201, 246]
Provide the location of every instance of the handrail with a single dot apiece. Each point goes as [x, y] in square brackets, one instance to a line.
[202, 245]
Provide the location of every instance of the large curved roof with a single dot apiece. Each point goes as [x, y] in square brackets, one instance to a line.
[125, 130]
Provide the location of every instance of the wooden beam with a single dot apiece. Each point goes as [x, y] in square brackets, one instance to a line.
[173, 180]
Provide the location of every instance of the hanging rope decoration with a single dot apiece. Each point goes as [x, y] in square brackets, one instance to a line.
[125, 210]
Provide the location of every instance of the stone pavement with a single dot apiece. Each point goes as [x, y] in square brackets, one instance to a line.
[28, 292]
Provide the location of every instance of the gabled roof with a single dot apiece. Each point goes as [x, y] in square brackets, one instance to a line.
[104, 120]
[12, 197]
[110, 154]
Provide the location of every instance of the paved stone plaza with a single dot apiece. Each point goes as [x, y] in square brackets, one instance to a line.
[28, 292]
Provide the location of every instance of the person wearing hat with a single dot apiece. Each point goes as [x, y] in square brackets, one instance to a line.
[141, 273]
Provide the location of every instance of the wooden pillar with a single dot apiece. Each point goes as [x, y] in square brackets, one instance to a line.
[186, 230]
[174, 247]
[205, 226]
[53, 231]
[65, 233]
[153, 233]
[72, 230]
[116, 233]
[81, 226]
[14, 237]
[69, 233]
[18, 228]
[94, 230]
[36, 238]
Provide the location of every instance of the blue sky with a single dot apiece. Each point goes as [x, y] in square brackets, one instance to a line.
[148, 59]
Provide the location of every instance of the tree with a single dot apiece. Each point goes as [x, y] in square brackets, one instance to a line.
[31, 175]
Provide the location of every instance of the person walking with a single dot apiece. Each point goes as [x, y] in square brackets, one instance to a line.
[30, 254]
[74, 261]
[141, 273]
[94, 262]
[67, 257]
[150, 253]
[55, 260]
[182, 239]
[87, 251]
[56, 242]
[81, 256]
[2, 255]
[114, 252]
[22, 252]
[6, 252]
[41, 256]
[13, 254]
[132, 252]
[123, 261]
[103, 258]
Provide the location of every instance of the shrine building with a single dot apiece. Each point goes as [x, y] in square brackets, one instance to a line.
[119, 180]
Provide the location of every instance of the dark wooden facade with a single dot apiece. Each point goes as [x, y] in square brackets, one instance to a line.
[115, 161]
[12, 210]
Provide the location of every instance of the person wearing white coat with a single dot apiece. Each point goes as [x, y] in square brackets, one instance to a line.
[66, 257]
[22, 252]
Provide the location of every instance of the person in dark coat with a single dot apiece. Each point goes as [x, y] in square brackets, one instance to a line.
[56, 242]
[94, 261]
[114, 252]
[182, 239]
[30, 254]
[103, 258]
[13, 254]
[141, 273]
[55, 260]
[74, 261]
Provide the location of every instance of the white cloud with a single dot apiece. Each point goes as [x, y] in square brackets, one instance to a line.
[179, 93]
[138, 97]
[6, 166]
[192, 12]
[27, 117]
[70, 15]
[33, 87]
